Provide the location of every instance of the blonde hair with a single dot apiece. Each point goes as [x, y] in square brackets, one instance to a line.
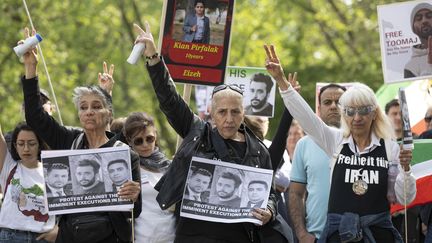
[361, 95]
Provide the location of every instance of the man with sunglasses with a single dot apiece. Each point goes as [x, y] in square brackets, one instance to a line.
[227, 139]
[428, 118]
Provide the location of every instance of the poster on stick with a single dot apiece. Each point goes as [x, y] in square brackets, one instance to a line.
[405, 29]
[195, 39]
[86, 180]
[258, 87]
[224, 192]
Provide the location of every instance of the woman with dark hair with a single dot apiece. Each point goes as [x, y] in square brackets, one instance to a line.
[94, 107]
[21, 176]
[154, 225]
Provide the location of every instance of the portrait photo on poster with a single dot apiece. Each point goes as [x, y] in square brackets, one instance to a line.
[405, 39]
[195, 38]
[86, 180]
[258, 87]
[218, 191]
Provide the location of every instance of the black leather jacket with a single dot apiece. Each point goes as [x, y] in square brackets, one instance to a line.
[197, 140]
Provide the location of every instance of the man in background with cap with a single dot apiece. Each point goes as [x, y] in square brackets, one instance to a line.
[420, 63]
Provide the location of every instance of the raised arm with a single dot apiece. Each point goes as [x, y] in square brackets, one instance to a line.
[55, 135]
[326, 137]
[277, 148]
[278, 145]
[177, 111]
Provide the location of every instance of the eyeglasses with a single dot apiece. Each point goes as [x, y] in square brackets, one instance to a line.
[227, 86]
[362, 110]
[139, 141]
[30, 144]
[428, 119]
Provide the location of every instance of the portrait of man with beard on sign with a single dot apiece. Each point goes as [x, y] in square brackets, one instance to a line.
[259, 93]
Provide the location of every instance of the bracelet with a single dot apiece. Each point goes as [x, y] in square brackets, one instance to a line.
[152, 57]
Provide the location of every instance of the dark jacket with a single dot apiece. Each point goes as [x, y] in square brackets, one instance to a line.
[191, 20]
[61, 137]
[198, 140]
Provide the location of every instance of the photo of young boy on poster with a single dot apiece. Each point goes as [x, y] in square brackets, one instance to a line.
[406, 38]
[195, 38]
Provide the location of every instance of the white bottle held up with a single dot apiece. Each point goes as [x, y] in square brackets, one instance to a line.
[29, 43]
[136, 53]
[393, 171]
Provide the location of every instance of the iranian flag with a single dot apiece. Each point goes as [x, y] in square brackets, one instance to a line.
[421, 167]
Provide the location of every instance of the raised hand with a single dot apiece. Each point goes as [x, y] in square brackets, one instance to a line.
[30, 58]
[274, 67]
[106, 80]
[147, 38]
[292, 79]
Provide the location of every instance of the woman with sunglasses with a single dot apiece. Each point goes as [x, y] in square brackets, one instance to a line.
[359, 203]
[94, 106]
[154, 225]
[21, 177]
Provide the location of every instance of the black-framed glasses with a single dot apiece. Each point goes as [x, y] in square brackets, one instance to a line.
[428, 119]
[362, 110]
[227, 86]
[139, 141]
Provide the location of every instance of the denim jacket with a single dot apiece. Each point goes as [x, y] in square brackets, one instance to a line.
[353, 228]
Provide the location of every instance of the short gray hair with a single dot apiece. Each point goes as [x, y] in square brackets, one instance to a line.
[81, 91]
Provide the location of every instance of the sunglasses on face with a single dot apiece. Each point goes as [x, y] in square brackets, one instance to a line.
[227, 86]
[428, 119]
[139, 141]
[362, 110]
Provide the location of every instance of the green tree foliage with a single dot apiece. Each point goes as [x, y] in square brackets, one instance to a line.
[328, 40]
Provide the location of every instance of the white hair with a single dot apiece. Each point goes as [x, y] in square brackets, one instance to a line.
[226, 93]
[361, 95]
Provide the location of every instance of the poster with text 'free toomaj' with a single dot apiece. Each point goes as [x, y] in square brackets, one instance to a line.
[404, 32]
[195, 39]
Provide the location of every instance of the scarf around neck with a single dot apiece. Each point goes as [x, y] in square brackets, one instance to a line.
[157, 161]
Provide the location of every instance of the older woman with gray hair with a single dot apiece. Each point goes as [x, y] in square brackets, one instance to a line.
[362, 151]
[94, 110]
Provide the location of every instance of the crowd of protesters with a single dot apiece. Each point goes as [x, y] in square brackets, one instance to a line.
[330, 181]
